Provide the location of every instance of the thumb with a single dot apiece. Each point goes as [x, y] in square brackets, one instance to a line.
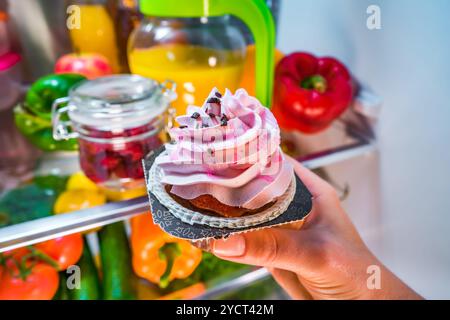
[272, 248]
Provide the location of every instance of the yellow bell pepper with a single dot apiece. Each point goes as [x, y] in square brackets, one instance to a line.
[73, 200]
[125, 194]
[78, 181]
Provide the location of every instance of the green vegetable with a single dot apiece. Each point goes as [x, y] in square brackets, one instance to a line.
[29, 123]
[44, 140]
[33, 118]
[51, 182]
[46, 90]
[63, 291]
[118, 278]
[26, 203]
[90, 283]
[211, 268]
[261, 289]
[39, 131]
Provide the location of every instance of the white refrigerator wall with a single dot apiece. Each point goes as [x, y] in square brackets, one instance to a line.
[399, 198]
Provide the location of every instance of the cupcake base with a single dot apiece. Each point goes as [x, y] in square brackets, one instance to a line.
[209, 205]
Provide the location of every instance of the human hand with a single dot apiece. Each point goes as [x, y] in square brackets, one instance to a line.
[326, 259]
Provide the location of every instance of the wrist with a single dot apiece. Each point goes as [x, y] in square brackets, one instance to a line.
[388, 286]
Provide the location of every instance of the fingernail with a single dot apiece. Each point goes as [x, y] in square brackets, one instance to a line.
[205, 244]
[231, 247]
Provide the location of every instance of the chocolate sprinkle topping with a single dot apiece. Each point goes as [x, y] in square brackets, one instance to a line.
[195, 115]
[212, 115]
[223, 122]
[213, 100]
[218, 95]
[205, 125]
[224, 117]
[183, 127]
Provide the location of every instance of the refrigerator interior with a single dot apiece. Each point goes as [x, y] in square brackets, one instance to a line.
[388, 156]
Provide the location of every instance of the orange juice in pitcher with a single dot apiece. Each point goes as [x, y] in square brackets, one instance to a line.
[197, 53]
[195, 70]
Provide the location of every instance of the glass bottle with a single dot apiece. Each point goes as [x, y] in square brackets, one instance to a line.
[96, 32]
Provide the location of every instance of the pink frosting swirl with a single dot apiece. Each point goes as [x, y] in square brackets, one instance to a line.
[228, 148]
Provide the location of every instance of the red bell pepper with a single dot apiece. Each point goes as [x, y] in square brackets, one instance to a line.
[310, 92]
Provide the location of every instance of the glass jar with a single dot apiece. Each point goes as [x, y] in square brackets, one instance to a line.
[117, 120]
[197, 53]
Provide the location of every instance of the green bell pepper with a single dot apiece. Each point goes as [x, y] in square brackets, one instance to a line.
[46, 90]
[33, 117]
[43, 139]
[28, 123]
[39, 131]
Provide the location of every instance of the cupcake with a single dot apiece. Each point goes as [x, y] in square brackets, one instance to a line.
[224, 165]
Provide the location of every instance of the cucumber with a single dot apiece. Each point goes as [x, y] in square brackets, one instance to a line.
[63, 291]
[119, 281]
[90, 288]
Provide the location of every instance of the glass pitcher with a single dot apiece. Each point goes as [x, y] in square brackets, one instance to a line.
[194, 44]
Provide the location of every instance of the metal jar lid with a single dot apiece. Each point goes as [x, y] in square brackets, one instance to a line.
[112, 102]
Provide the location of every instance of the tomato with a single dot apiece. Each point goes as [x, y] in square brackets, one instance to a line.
[16, 253]
[41, 283]
[66, 250]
